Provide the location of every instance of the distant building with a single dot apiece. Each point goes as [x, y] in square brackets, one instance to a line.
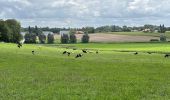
[79, 32]
[147, 30]
[64, 32]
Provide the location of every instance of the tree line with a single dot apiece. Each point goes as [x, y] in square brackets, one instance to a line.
[107, 28]
[71, 38]
[35, 35]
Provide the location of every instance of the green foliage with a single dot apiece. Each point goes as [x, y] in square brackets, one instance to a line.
[50, 38]
[73, 38]
[42, 38]
[85, 38]
[30, 38]
[5, 32]
[162, 29]
[162, 38]
[88, 29]
[10, 31]
[126, 29]
[154, 40]
[64, 38]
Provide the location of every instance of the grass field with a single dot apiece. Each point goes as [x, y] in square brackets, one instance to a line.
[109, 75]
[140, 34]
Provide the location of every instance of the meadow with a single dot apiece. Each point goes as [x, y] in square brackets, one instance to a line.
[113, 74]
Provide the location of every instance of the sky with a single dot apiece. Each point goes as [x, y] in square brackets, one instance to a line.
[81, 13]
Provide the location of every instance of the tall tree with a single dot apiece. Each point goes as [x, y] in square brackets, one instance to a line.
[36, 30]
[5, 32]
[50, 38]
[15, 28]
[29, 30]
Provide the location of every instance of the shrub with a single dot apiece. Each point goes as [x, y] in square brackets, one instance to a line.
[85, 38]
[154, 40]
[42, 38]
[163, 38]
[64, 38]
[50, 38]
[73, 38]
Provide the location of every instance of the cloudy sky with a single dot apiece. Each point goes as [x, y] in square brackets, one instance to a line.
[78, 13]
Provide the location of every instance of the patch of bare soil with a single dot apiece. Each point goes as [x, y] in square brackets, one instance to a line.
[100, 37]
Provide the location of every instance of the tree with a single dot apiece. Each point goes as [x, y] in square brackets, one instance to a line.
[125, 29]
[64, 38]
[10, 31]
[29, 30]
[85, 38]
[36, 31]
[88, 29]
[42, 38]
[30, 38]
[162, 31]
[50, 38]
[73, 38]
[15, 28]
[5, 32]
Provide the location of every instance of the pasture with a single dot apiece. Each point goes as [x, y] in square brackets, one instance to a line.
[114, 73]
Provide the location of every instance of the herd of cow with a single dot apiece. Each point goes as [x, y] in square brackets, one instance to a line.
[85, 51]
[78, 55]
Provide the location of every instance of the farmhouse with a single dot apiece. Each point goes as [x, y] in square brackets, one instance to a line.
[79, 32]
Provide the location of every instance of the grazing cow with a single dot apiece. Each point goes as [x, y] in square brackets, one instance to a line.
[68, 53]
[149, 52]
[84, 51]
[64, 52]
[166, 55]
[74, 49]
[33, 52]
[97, 52]
[135, 53]
[78, 55]
[19, 44]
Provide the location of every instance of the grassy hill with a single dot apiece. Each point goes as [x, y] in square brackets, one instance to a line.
[108, 75]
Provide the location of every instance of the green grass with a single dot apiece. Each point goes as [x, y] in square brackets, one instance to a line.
[140, 34]
[49, 75]
[141, 47]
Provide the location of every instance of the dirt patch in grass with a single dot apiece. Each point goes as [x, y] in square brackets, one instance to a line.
[101, 37]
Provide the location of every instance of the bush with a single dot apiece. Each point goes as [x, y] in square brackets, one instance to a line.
[42, 38]
[30, 38]
[154, 40]
[50, 38]
[73, 38]
[64, 38]
[162, 38]
[85, 38]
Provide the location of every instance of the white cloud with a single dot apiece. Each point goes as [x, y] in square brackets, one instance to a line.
[59, 13]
